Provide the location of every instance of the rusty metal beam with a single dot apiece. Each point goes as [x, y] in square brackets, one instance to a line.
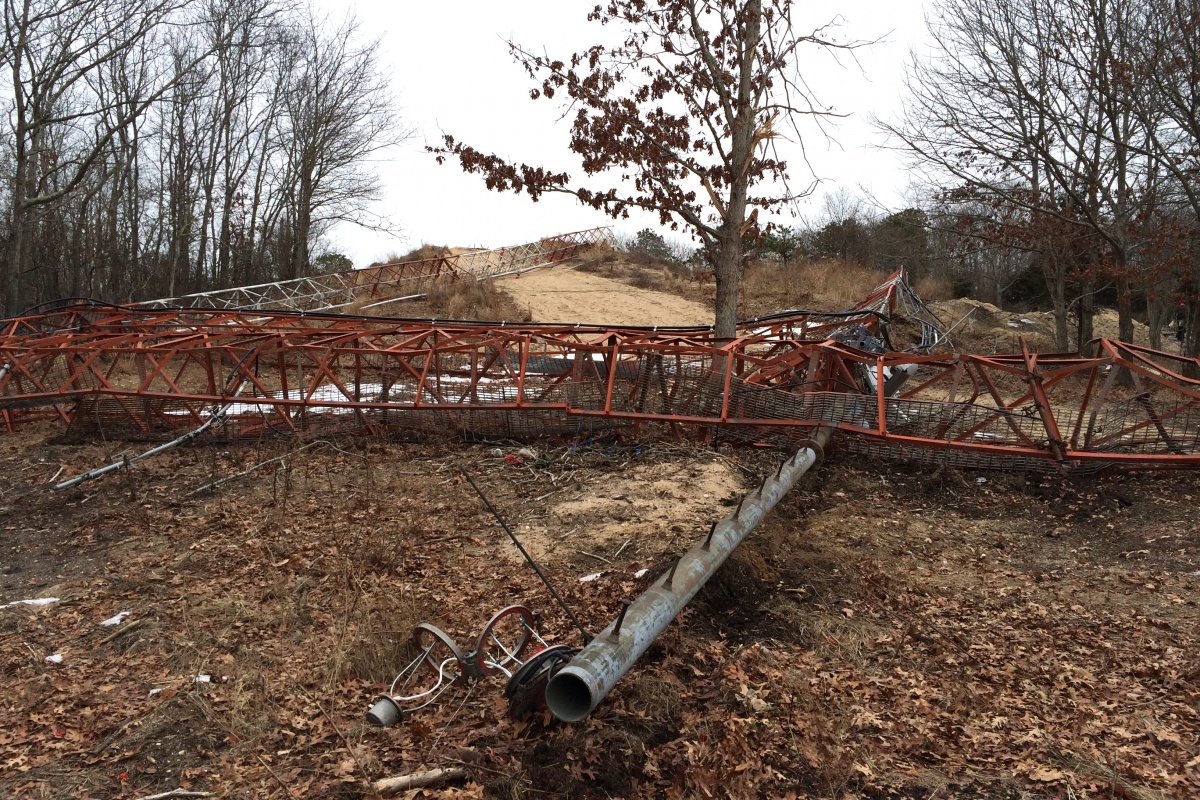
[155, 373]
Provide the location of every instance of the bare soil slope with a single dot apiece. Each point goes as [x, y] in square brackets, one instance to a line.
[564, 293]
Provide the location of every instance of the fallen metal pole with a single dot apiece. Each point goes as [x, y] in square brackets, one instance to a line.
[579, 687]
[125, 463]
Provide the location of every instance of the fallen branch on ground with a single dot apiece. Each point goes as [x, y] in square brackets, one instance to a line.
[119, 632]
[418, 779]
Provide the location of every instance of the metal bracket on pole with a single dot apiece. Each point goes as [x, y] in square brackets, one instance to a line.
[671, 574]
[616, 631]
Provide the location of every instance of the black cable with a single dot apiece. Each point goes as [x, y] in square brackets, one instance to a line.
[587, 637]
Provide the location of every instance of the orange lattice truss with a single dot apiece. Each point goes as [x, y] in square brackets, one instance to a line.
[153, 373]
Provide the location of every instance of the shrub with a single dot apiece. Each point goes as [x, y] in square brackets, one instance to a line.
[465, 298]
[423, 253]
[649, 247]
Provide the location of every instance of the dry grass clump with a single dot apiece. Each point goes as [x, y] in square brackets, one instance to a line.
[378, 637]
[831, 284]
[464, 298]
[423, 253]
[359, 307]
[826, 285]
[933, 288]
[599, 258]
[655, 698]
[597, 252]
[447, 297]
[645, 279]
[653, 275]
[643, 258]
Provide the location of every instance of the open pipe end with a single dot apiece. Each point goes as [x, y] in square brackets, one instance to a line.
[569, 696]
[385, 713]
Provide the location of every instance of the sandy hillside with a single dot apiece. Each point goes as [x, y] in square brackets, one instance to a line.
[562, 293]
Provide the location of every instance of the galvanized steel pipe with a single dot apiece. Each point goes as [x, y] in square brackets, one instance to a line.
[579, 687]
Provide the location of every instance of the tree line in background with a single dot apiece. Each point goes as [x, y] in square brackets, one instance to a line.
[160, 147]
[1059, 143]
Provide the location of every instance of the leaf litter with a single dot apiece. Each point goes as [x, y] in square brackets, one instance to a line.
[888, 632]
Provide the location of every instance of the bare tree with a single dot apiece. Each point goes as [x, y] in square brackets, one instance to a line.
[1167, 69]
[54, 51]
[181, 128]
[687, 109]
[168, 146]
[337, 113]
[1025, 106]
[86, 71]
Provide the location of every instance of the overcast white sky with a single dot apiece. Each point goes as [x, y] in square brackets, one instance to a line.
[451, 72]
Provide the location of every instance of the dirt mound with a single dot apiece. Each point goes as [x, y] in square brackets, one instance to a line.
[981, 327]
[645, 507]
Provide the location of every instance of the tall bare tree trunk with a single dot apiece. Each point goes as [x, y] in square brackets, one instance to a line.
[1056, 280]
[1087, 311]
[1124, 307]
[13, 296]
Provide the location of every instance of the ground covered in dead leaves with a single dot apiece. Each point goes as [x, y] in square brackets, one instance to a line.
[890, 631]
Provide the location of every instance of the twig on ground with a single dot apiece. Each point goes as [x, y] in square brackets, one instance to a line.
[418, 779]
[245, 472]
[593, 555]
[274, 775]
[112, 737]
[176, 793]
[124, 629]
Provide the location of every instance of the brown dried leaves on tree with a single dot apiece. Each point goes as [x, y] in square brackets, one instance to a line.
[686, 111]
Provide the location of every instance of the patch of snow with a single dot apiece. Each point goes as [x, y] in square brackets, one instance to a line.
[54, 659]
[640, 573]
[40, 601]
[117, 620]
[590, 578]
